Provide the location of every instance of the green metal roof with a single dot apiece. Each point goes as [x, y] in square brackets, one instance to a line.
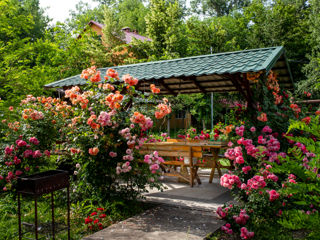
[205, 73]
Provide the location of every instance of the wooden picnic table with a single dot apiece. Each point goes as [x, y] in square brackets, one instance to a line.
[174, 149]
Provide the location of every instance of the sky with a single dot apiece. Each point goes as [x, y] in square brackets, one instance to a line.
[58, 10]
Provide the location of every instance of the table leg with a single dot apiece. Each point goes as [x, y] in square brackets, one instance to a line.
[212, 172]
[218, 167]
[215, 152]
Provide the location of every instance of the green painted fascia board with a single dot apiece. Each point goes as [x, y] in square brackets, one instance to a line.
[272, 59]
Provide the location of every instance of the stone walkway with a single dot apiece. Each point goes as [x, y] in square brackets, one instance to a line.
[180, 213]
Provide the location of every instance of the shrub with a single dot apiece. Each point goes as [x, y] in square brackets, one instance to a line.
[101, 127]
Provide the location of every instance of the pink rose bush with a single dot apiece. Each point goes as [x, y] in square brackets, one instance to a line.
[265, 178]
[22, 157]
[100, 126]
[110, 129]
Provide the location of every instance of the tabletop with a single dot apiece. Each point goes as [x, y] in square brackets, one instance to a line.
[207, 144]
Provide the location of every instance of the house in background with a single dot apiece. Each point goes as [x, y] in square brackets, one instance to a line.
[129, 34]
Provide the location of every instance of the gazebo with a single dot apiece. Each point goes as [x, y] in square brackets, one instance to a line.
[221, 72]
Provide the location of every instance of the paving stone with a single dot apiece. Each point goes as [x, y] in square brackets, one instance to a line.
[163, 222]
[180, 213]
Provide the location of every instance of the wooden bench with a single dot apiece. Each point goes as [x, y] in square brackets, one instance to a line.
[171, 154]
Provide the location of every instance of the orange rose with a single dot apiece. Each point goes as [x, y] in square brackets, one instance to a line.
[262, 117]
[154, 89]
[129, 80]
[96, 78]
[112, 73]
[93, 151]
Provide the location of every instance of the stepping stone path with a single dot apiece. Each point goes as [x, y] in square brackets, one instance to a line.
[180, 213]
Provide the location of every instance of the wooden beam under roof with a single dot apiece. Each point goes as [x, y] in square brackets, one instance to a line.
[161, 82]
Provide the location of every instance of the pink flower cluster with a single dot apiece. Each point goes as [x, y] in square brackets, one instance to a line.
[261, 140]
[113, 154]
[36, 115]
[245, 234]
[147, 125]
[124, 168]
[291, 179]
[104, 119]
[273, 177]
[14, 154]
[34, 141]
[227, 228]
[257, 182]
[246, 169]
[222, 213]
[129, 155]
[131, 140]
[228, 181]
[8, 150]
[21, 143]
[125, 133]
[302, 147]
[267, 129]
[250, 148]
[235, 154]
[273, 144]
[154, 161]
[240, 130]
[273, 195]
[242, 218]
[29, 98]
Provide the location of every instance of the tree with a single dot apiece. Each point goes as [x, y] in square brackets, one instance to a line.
[32, 55]
[82, 15]
[18, 31]
[131, 13]
[217, 7]
[216, 34]
[165, 28]
[41, 21]
[280, 24]
[312, 69]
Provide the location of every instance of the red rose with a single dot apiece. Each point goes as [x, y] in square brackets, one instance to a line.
[94, 213]
[88, 220]
[307, 120]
